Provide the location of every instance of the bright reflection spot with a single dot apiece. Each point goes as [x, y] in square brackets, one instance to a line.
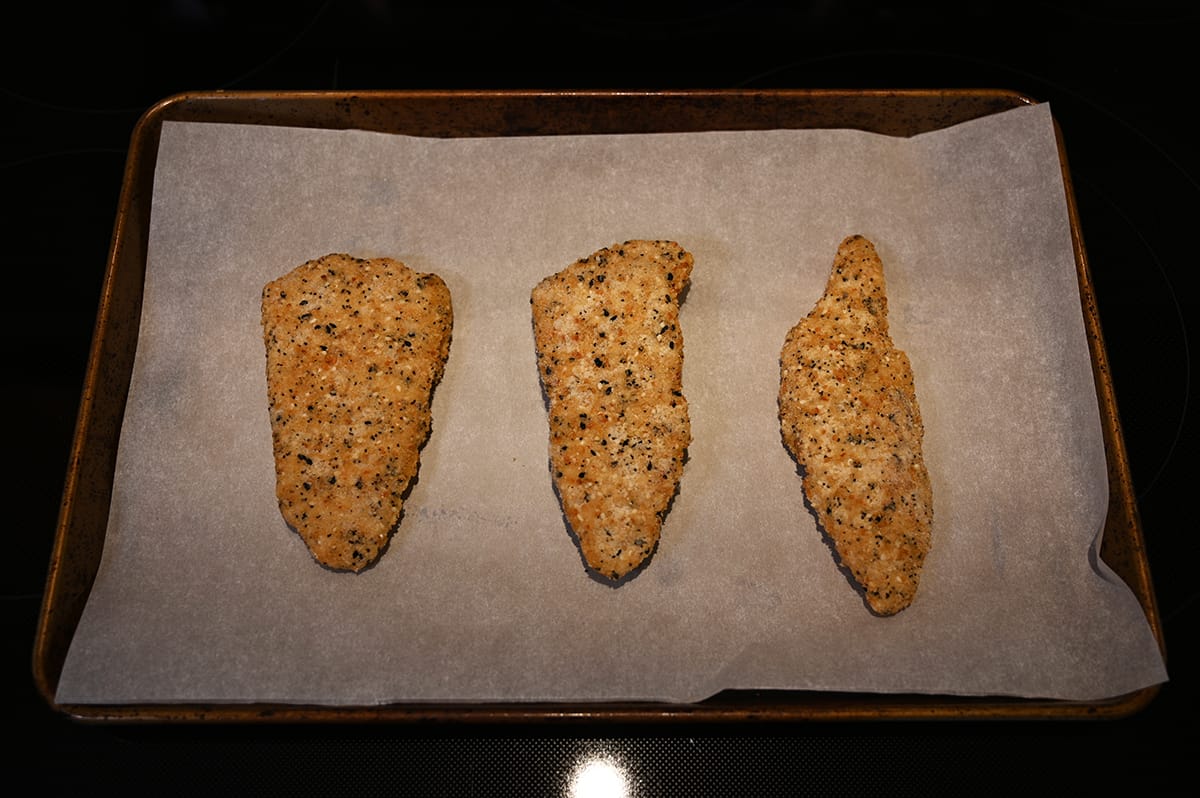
[598, 777]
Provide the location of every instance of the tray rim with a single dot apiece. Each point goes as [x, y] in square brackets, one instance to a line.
[740, 705]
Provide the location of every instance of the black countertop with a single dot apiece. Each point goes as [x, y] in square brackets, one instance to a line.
[76, 80]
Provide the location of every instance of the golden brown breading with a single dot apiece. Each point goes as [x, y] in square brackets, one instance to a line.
[849, 415]
[355, 348]
[610, 357]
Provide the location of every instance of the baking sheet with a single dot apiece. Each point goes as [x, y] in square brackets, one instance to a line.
[204, 594]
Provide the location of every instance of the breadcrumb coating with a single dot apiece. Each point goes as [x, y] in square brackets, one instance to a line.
[610, 356]
[849, 415]
[355, 348]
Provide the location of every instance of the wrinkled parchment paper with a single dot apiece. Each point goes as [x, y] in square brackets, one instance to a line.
[204, 594]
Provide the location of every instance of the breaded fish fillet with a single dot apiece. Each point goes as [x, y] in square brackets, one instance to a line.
[849, 415]
[610, 357]
[355, 348]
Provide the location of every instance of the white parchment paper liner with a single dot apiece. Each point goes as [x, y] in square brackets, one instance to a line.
[205, 595]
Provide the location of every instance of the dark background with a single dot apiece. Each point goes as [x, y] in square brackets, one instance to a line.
[1119, 78]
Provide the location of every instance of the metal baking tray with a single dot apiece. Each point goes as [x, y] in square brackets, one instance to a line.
[79, 538]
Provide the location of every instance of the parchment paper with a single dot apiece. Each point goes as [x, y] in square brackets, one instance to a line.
[204, 594]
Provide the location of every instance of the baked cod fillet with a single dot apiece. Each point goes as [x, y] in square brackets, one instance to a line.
[355, 348]
[849, 415]
[610, 357]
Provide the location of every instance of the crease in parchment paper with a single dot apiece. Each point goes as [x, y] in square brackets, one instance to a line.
[204, 594]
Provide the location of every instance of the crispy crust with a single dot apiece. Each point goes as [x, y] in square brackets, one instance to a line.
[610, 357]
[354, 349]
[849, 415]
